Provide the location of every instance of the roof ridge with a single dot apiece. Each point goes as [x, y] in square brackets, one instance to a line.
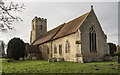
[49, 31]
[73, 21]
[77, 18]
[86, 16]
[53, 28]
[58, 30]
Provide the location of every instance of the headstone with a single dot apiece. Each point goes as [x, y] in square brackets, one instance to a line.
[54, 59]
[60, 59]
[10, 60]
[78, 59]
[33, 58]
[49, 60]
[25, 58]
[20, 58]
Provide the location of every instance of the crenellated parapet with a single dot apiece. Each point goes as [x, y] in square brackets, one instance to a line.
[39, 19]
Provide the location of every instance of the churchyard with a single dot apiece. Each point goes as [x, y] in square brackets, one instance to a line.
[42, 66]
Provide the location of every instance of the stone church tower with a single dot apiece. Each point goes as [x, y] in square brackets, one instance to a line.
[39, 27]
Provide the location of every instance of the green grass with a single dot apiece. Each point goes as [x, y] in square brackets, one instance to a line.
[40, 66]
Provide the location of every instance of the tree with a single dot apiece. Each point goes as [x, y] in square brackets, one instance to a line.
[112, 48]
[3, 45]
[118, 53]
[6, 17]
[16, 48]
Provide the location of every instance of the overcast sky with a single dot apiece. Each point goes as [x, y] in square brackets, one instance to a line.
[58, 13]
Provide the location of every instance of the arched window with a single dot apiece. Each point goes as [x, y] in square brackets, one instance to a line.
[67, 47]
[60, 49]
[47, 50]
[55, 49]
[41, 27]
[92, 39]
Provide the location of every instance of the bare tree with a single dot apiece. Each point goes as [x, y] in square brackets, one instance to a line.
[6, 18]
[3, 47]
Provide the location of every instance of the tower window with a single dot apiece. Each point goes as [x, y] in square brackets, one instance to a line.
[92, 39]
[41, 27]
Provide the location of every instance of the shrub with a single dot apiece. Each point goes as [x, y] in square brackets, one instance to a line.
[112, 48]
[16, 48]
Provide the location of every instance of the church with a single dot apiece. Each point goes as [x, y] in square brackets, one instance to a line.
[80, 40]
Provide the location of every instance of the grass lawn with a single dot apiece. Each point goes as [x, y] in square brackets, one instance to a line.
[40, 66]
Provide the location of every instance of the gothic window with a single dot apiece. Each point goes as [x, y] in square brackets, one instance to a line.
[60, 49]
[67, 47]
[92, 39]
[47, 50]
[55, 49]
[41, 27]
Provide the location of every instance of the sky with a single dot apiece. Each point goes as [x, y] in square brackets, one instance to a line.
[58, 13]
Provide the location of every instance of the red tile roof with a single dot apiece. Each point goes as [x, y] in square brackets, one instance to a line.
[62, 30]
[70, 27]
[47, 36]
